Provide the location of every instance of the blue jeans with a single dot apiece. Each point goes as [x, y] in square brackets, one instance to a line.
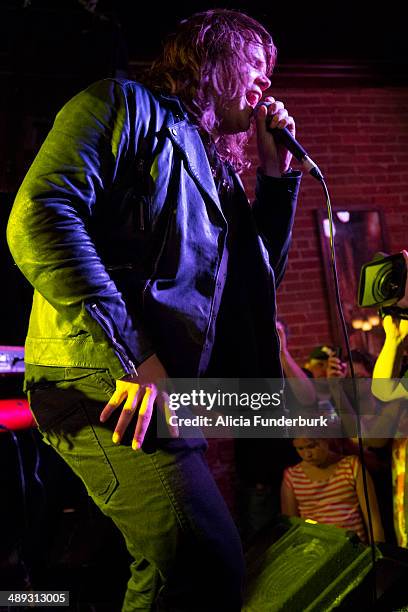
[186, 549]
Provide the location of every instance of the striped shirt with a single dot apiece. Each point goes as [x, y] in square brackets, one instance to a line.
[332, 501]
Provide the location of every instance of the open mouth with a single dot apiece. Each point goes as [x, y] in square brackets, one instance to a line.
[252, 98]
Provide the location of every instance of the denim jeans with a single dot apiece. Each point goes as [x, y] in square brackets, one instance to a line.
[186, 549]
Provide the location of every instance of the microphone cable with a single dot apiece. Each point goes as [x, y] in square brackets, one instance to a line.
[319, 176]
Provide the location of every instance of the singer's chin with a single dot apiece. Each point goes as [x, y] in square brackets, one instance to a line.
[236, 125]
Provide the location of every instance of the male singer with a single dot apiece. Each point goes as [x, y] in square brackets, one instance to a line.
[147, 261]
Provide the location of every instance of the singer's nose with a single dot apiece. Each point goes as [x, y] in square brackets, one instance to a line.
[263, 82]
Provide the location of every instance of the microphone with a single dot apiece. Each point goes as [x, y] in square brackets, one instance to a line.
[283, 136]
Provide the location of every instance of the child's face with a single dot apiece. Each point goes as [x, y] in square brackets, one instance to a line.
[312, 451]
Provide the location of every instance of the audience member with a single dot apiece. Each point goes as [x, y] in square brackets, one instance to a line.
[317, 362]
[321, 364]
[327, 487]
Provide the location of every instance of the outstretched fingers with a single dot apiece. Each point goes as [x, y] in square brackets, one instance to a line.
[137, 403]
[115, 401]
[134, 393]
[144, 416]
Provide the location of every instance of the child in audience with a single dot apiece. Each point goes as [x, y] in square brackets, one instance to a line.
[328, 488]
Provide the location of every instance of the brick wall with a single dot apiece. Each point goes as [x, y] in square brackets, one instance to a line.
[359, 137]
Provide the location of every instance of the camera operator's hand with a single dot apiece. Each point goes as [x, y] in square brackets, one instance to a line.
[396, 330]
[388, 364]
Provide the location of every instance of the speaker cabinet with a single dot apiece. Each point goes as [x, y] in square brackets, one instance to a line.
[311, 567]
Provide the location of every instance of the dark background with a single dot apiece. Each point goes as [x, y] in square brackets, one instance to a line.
[71, 36]
[301, 30]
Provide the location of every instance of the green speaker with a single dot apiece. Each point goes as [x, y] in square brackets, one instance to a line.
[311, 568]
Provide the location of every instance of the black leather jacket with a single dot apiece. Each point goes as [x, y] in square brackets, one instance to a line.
[118, 227]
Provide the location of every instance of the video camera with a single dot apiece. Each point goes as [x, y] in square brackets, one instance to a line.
[382, 283]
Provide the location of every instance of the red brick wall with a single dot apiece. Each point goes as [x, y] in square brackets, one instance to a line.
[359, 138]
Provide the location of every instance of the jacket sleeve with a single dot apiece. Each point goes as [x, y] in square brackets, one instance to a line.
[274, 211]
[48, 228]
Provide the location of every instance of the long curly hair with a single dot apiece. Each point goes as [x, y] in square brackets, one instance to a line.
[202, 61]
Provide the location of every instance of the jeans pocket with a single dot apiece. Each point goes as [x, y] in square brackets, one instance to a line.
[68, 419]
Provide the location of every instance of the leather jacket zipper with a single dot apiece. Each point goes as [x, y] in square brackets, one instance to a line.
[126, 363]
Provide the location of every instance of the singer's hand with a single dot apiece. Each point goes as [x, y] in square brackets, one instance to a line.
[137, 397]
[274, 158]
